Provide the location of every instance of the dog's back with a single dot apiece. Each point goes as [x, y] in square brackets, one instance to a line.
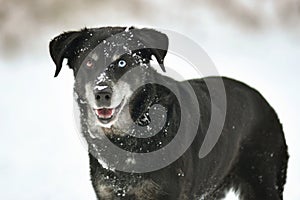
[251, 153]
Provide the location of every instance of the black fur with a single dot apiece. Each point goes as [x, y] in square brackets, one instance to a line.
[250, 155]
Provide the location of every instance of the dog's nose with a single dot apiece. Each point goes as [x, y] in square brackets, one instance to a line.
[103, 96]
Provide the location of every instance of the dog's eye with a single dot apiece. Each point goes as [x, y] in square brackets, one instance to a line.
[122, 63]
[90, 64]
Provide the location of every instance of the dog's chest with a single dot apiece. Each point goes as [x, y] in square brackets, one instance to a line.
[130, 186]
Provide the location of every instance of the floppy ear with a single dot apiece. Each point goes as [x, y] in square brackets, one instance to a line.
[156, 43]
[61, 46]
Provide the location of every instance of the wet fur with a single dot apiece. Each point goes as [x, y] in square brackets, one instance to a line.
[250, 156]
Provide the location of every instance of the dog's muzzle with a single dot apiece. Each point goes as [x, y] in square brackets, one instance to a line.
[104, 111]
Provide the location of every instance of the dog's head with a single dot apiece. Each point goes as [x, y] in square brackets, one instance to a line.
[100, 59]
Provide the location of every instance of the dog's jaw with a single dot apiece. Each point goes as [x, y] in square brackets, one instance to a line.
[107, 113]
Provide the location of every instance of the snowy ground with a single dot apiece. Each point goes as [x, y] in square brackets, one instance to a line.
[41, 155]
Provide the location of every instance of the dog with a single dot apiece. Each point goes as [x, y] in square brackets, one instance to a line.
[250, 155]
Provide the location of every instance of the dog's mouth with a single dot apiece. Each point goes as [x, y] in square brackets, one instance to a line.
[106, 114]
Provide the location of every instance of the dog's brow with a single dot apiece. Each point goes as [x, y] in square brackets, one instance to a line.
[94, 56]
[115, 57]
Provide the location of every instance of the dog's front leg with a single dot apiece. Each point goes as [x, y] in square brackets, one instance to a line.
[148, 190]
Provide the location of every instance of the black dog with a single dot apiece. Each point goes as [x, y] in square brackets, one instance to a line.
[250, 155]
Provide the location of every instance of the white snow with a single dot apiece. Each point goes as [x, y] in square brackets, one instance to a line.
[100, 87]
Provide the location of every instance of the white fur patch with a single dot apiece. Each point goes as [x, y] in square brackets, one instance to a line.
[115, 57]
[95, 56]
[232, 195]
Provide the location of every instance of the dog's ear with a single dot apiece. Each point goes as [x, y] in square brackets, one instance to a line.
[156, 44]
[61, 47]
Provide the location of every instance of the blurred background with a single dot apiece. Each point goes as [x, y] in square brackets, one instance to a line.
[41, 155]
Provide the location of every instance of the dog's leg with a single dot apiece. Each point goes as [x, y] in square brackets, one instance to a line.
[261, 173]
[148, 190]
[253, 191]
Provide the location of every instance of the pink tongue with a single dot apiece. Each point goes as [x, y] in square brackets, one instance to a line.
[105, 113]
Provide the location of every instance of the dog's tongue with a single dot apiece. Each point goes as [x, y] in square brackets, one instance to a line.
[105, 113]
